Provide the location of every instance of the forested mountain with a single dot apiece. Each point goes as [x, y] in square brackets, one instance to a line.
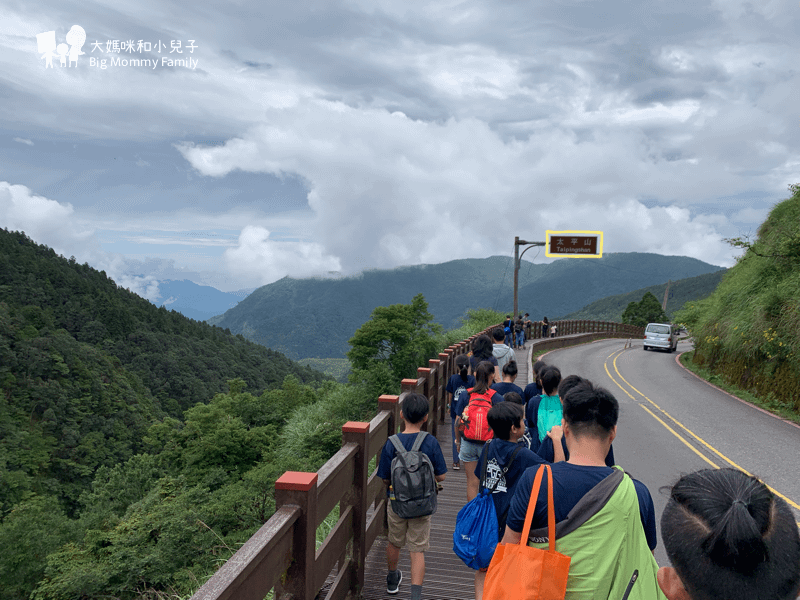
[86, 367]
[315, 317]
[680, 292]
[124, 427]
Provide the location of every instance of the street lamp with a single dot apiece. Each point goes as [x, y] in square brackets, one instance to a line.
[517, 258]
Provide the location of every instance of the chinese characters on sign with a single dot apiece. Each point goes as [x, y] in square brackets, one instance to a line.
[583, 244]
[176, 54]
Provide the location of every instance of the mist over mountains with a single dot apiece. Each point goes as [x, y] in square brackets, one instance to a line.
[200, 302]
[315, 317]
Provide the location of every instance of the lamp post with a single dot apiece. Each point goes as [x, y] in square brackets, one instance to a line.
[517, 258]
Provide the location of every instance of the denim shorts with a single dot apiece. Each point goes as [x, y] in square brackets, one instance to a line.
[470, 451]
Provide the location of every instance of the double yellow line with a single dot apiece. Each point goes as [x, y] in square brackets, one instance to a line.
[680, 426]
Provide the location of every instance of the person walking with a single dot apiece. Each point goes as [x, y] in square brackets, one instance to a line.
[458, 382]
[414, 532]
[612, 543]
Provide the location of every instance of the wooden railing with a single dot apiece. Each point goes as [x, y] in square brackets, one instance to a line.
[282, 555]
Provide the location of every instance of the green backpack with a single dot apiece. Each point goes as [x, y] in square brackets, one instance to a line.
[603, 535]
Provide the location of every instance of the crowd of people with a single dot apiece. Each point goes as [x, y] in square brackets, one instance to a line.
[727, 536]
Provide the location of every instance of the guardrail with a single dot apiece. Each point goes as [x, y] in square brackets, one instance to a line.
[282, 556]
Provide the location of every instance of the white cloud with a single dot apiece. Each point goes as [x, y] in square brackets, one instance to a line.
[46, 221]
[262, 260]
[403, 191]
[56, 225]
[23, 141]
[750, 215]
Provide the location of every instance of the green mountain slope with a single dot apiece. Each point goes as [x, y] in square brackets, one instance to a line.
[748, 331]
[316, 317]
[681, 292]
[87, 367]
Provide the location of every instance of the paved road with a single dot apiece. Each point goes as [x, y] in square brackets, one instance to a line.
[672, 422]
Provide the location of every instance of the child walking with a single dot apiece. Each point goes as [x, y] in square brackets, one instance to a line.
[505, 461]
[412, 532]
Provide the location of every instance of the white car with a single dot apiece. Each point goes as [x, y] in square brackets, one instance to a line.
[661, 335]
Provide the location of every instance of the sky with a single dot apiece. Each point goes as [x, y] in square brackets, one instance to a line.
[234, 143]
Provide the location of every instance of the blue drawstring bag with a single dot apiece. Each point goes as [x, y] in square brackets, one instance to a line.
[476, 534]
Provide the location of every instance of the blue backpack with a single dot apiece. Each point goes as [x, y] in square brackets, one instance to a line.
[477, 531]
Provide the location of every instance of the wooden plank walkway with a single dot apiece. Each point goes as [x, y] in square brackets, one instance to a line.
[446, 576]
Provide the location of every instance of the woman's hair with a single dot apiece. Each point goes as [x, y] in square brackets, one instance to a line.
[502, 417]
[550, 377]
[482, 347]
[569, 382]
[729, 537]
[484, 375]
[537, 368]
[462, 362]
[510, 368]
[590, 410]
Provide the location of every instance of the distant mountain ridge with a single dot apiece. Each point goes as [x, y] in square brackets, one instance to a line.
[680, 292]
[199, 302]
[314, 318]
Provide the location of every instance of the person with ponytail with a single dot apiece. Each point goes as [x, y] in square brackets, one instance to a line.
[544, 411]
[469, 450]
[458, 382]
[508, 385]
[728, 537]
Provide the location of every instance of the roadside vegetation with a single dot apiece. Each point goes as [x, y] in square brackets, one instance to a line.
[747, 333]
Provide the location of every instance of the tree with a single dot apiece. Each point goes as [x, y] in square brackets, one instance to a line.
[648, 310]
[400, 336]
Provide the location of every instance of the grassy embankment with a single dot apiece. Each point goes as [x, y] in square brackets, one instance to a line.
[747, 333]
[778, 408]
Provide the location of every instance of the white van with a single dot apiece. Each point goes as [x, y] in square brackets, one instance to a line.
[661, 335]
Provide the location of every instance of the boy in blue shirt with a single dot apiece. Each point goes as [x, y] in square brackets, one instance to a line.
[506, 460]
[414, 533]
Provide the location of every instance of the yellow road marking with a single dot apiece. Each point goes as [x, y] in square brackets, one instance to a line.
[677, 435]
[682, 426]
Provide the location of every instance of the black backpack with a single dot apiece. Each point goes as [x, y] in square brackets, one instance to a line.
[413, 481]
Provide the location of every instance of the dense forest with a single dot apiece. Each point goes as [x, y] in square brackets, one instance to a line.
[314, 318]
[139, 448]
[748, 331]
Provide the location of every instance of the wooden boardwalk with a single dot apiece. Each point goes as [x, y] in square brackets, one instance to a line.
[446, 576]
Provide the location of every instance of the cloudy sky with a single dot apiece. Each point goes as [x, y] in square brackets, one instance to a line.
[308, 137]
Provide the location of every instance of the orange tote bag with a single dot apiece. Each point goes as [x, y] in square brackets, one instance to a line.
[520, 572]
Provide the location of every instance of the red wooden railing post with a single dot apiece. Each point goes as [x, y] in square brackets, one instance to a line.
[424, 373]
[437, 388]
[299, 489]
[391, 404]
[408, 386]
[358, 433]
